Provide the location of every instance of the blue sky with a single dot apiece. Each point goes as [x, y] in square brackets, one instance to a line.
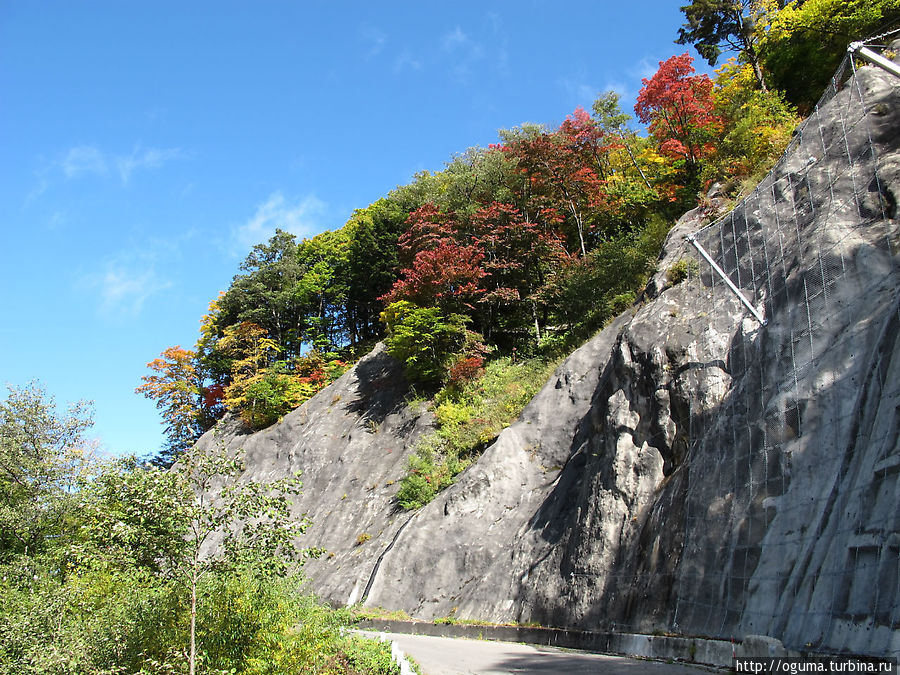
[146, 146]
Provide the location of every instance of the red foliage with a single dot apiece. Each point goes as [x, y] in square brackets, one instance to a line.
[587, 139]
[213, 396]
[447, 275]
[465, 370]
[678, 106]
[427, 228]
[514, 249]
[563, 170]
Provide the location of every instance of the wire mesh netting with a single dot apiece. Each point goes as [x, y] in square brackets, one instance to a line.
[805, 446]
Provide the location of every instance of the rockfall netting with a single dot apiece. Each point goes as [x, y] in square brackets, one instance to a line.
[805, 443]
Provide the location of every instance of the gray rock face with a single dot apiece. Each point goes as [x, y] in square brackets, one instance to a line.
[351, 442]
[686, 470]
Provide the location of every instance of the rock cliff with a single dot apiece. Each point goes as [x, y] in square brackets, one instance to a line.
[688, 469]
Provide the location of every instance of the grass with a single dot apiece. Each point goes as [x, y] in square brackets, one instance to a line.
[361, 613]
[469, 416]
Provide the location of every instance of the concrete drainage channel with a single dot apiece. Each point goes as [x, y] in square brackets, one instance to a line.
[694, 651]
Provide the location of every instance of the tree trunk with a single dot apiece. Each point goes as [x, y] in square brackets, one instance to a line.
[758, 72]
[634, 161]
[193, 658]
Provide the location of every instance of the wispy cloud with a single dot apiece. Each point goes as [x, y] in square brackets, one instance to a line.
[580, 90]
[145, 158]
[500, 43]
[407, 61]
[464, 52]
[375, 38]
[302, 217]
[453, 39]
[123, 284]
[84, 160]
[644, 68]
[124, 291]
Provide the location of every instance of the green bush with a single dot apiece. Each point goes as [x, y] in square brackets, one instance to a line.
[424, 339]
[590, 291]
[681, 271]
[470, 416]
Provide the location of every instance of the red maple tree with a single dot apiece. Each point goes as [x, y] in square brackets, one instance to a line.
[678, 107]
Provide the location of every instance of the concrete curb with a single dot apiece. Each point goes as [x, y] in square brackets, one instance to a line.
[698, 651]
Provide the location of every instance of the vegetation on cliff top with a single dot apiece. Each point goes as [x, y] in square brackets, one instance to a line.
[526, 246]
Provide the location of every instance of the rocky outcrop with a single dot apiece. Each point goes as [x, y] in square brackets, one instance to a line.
[688, 469]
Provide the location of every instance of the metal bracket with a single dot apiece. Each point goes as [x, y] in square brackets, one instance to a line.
[734, 289]
[874, 58]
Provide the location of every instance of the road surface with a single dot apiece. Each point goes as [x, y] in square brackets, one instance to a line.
[452, 656]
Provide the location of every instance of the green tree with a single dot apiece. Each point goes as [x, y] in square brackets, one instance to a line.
[424, 339]
[371, 264]
[195, 521]
[806, 41]
[266, 294]
[43, 458]
[757, 127]
[322, 289]
[714, 26]
[614, 122]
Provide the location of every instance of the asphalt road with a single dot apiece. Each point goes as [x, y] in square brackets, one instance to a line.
[450, 656]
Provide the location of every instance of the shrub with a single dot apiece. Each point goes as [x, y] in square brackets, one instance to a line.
[681, 271]
[423, 339]
[466, 369]
[470, 417]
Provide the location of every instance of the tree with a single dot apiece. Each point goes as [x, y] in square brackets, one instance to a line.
[176, 387]
[561, 172]
[322, 289]
[714, 26]
[424, 339]
[439, 266]
[679, 108]
[805, 42]
[371, 264]
[43, 459]
[194, 521]
[517, 254]
[757, 126]
[447, 275]
[266, 293]
[613, 121]
[251, 352]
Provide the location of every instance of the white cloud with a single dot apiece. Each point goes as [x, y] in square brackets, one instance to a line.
[57, 220]
[645, 68]
[376, 38]
[463, 51]
[407, 60]
[583, 92]
[500, 42]
[83, 159]
[123, 290]
[302, 217]
[40, 188]
[124, 283]
[453, 39]
[145, 158]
